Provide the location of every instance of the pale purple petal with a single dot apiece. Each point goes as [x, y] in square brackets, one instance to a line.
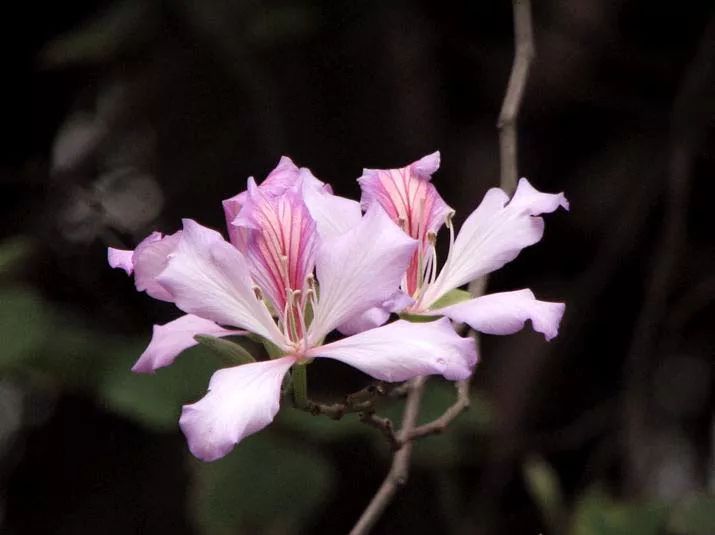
[528, 199]
[412, 202]
[170, 339]
[120, 258]
[506, 313]
[376, 316]
[371, 318]
[210, 278]
[427, 165]
[403, 350]
[358, 270]
[407, 195]
[282, 240]
[494, 234]
[284, 176]
[241, 401]
[150, 259]
[333, 214]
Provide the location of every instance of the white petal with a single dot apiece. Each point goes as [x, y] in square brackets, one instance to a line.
[402, 350]
[494, 234]
[506, 313]
[376, 316]
[209, 277]
[333, 214]
[241, 401]
[120, 258]
[150, 259]
[358, 270]
[170, 339]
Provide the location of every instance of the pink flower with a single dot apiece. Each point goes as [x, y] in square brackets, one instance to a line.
[262, 282]
[491, 236]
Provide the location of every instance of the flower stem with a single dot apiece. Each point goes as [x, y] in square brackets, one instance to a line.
[300, 386]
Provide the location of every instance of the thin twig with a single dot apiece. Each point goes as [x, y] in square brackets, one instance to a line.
[397, 476]
[438, 425]
[523, 55]
[360, 401]
[384, 425]
[399, 470]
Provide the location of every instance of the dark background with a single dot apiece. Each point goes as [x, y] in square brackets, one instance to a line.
[123, 117]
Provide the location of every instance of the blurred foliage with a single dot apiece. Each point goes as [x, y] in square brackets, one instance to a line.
[268, 485]
[543, 484]
[273, 482]
[596, 512]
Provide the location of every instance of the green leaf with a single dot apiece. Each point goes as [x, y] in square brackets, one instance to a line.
[598, 514]
[230, 352]
[322, 428]
[155, 400]
[694, 515]
[266, 485]
[452, 298]
[543, 484]
[417, 318]
[24, 325]
[13, 252]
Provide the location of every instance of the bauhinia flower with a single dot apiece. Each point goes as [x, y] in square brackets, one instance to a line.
[491, 236]
[263, 282]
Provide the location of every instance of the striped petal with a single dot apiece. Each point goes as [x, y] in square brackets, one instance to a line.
[284, 176]
[411, 201]
[282, 241]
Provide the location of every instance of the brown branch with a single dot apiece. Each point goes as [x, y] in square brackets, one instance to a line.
[523, 55]
[399, 470]
[397, 476]
[360, 401]
[384, 425]
[438, 425]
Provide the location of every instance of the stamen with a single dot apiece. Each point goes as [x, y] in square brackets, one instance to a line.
[286, 320]
[450, 225]
[311, 297]
[433, 265]
[301, 323]
[258, 293]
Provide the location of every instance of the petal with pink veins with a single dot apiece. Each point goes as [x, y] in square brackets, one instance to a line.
[407, 195]
[281, 243]
[284, 176]
[403, 350]
[411, 201]
[241, 401]
[170, 339]
[358, 270]
[210, 278]
[506, 313]
[494, 234]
